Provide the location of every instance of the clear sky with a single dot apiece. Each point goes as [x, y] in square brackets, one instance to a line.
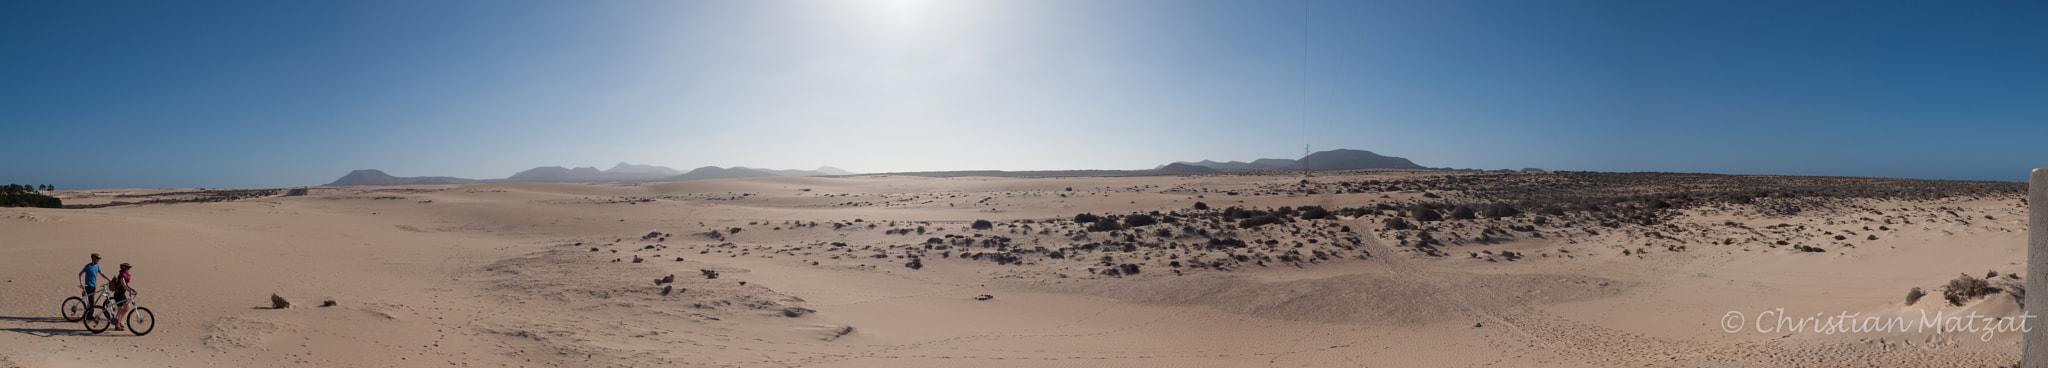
[153, 94]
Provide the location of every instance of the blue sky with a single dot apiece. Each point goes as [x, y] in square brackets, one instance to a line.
[269, 93]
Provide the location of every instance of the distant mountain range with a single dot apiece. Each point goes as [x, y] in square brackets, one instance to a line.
[623, 172]
[1338, 159]
[378, 177]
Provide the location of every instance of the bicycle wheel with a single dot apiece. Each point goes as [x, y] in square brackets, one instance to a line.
[74, 309]
[97, 319]
[141, 321]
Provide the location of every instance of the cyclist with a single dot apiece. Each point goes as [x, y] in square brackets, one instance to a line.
[121, 288]
[89, 280]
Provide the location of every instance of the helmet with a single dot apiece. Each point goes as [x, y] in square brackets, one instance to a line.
[95, 256]
[124, 266]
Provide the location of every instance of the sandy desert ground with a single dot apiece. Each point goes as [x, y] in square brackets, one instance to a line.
[1588, 270]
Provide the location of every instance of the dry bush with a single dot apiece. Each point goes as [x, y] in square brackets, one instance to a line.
[1314, 212]
[1260, 220]
[1914, 296]
[1424, 214]
[1965, 288]
[1463, 213]
[1139, 220]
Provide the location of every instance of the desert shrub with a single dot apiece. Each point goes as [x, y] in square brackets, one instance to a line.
[1163, 233]
[1964, 288]
[1103, 225]
[1424, 214]
[1396, 223]
[1314, 212]
[1913, 296]
[1498, 210]
[1261, 220]
[1087, 218]
[982, 225]
[1201, 206]
[1463, 213]
[1234, 213]
[1139, 220]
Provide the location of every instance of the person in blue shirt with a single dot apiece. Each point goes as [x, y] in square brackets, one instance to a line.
[89, 280]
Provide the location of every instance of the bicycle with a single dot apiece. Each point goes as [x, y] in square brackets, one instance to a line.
[75, 308]
[140, 320]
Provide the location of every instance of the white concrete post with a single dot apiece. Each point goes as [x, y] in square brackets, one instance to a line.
[2034, 349]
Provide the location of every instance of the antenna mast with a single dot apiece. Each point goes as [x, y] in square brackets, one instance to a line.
[1304, 160]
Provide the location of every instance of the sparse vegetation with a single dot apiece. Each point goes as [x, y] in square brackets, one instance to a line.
[1256, 221]
[17, 195]
[1424, 214]
[1101, 226]
[1965, 288]
[1139, 220]
[1463, 213]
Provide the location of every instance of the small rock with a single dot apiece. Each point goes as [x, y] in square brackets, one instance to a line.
[984, 297]
[329, 303]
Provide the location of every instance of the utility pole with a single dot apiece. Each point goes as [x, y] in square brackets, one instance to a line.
[2034, 342]
[1304, 160]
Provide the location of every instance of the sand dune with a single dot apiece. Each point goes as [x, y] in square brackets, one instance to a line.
[814, 272]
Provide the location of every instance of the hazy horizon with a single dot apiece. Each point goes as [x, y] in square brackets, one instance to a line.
[258, 94]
